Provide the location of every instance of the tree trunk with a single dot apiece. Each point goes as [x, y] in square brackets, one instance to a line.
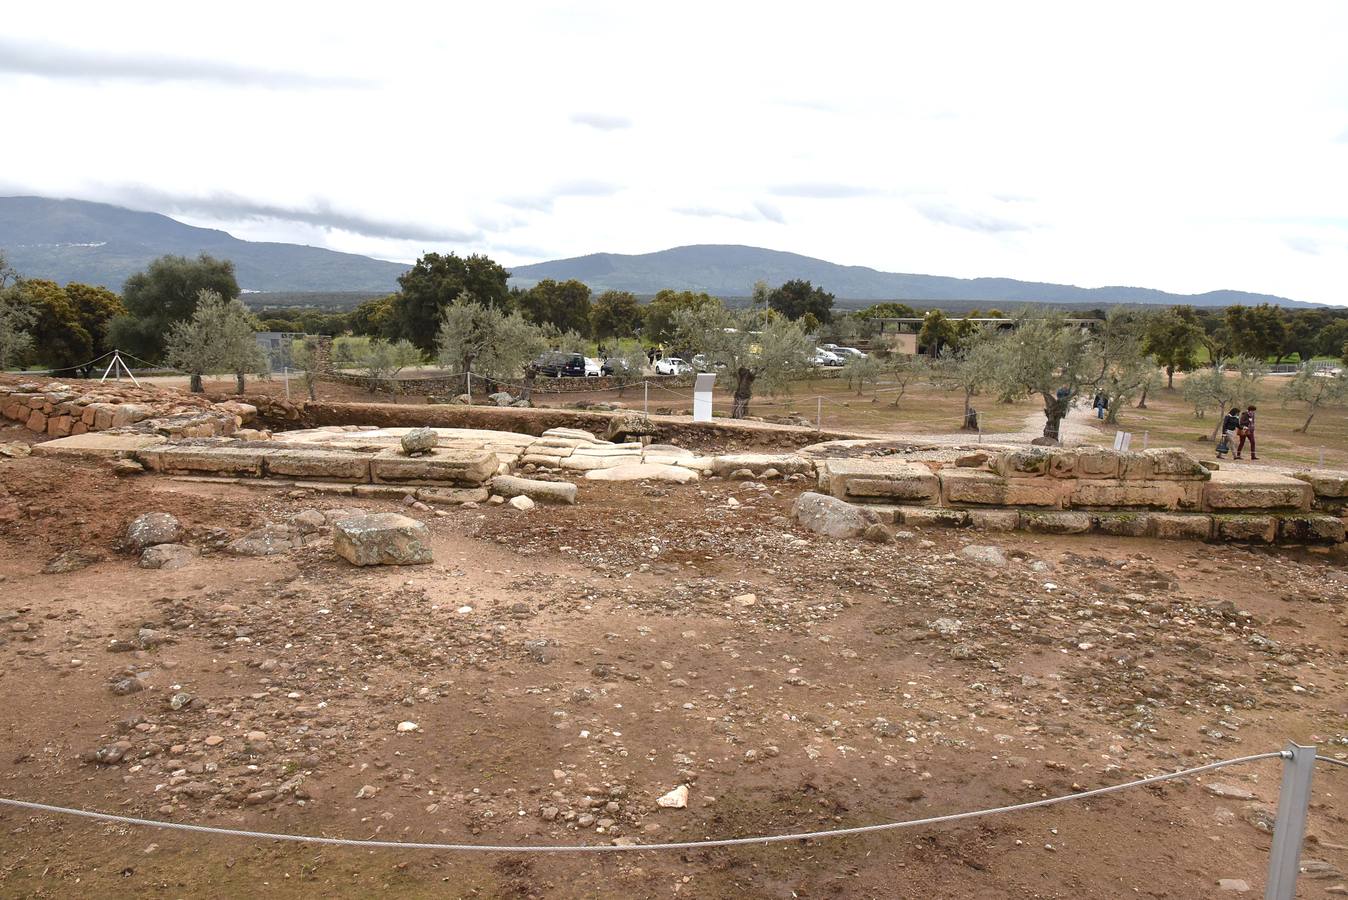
[744, 388]
[238, 383]
[1170, 377]
[1055, 410]
[194, 384]
[1142, 404]
[970, 416]
[312, 384]
[527, 393]
[1307, 425]
[1112, 413]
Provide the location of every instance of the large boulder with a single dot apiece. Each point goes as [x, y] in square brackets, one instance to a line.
[418, 441]
[382, 539]
[828, 515]
[151, 529]
[501, 398]
[166, 556]
[269, 540]
[629, 426]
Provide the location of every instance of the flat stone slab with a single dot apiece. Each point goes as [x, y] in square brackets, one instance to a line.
[542, 491]
[99, 445]
[441, 466]
[1330, 484]
[971, 487]
[223, 460]
[644, 472]
[885, 480]
[327, 465]
[1253, 489]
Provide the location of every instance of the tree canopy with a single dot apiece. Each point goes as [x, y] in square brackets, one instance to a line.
[564, 305]
[796, 299]
[216, 339]
[749, 348]
[615, 314]
[166, 293]
[658, 318]
[1173, 337]
[435, 282]
[486, 340]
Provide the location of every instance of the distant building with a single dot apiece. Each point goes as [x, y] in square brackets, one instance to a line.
[276, 345]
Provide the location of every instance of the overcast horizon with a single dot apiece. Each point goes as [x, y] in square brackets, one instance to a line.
[1187, 149]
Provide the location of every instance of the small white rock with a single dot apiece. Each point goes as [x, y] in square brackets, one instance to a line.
[522, 503]
[405, 727]
[675, 799]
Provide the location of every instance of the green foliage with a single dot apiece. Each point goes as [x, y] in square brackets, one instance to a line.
[769, 354]
[797, 298]
[1173, 336]
[1315, 389]
[970, 368]
[1220, 387]
[658, 325]
[217, 339]
[1330, 340]
[564, 305]
[375, 318]
[1044, 355]
[487, 340]
[1126, 369]
[905, 370]
[1255, 331]
[16, 318]
[378, 358]
[628, 361]
[862, 370]
[310, 357]
[164, 294]
[96, 307]
[889, 310]
[937, 331]
[615, 314]
[433, 284]
[59, 337]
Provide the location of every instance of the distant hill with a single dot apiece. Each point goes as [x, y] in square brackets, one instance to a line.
[730, 270]
[96, 243]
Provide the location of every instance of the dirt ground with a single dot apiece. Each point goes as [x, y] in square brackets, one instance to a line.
[567, 666]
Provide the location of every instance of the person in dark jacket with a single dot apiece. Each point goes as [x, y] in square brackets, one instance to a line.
[1246, 432]
[1230, 425]
[1100, 404]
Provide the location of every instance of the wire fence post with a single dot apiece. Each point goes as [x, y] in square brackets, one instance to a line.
[285, 371]
[646, 397]
[1322, 457]
[819, 414]
[468, 382]
[1145, 434]
[1284, 859]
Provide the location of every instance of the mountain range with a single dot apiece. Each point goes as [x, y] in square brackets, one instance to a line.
[97, 243]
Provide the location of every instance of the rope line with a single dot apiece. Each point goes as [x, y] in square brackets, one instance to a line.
[609, 848]
[1331, 760]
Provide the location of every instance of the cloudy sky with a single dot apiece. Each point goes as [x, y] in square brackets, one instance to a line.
[1183, 146]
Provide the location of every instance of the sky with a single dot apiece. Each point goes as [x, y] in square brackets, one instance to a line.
[1181, 146]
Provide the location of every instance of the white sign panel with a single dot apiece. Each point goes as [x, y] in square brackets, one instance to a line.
[1122, 439]
[702, 396]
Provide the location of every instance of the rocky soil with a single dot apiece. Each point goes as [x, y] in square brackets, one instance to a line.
[556, 671]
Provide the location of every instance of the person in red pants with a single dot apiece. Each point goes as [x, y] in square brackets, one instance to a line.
[1246, 432]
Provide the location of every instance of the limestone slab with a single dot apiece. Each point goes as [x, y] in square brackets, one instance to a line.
[974, 487]
[879, 479]
[1112, 492]
[1235, 489]
[1311, 529]
[98, 445]
[642, 472]
[441, 466]
[1174, 526]
[1258, 529]
[328, 465]
[1047, 522]
[1326, 484]
[786, 463]
[174, 460]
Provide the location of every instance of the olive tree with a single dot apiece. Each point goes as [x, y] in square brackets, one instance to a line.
[311, 357]
[904, 371]
[16, 318]
[1315, 388]
[1215, 388]
[1126, 369]
[970, 369]
[858, 370]
[1047, 357]
[767, 349]
[485, 340]
[627, 361]
[216, 339]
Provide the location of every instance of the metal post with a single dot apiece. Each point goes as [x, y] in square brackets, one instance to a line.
[646, 397]
[468, 381]
[819, 414]
[1145, 435]
[285, 370]
[108, 370]
[125, 367]
[1284, 859]
[1322, 456]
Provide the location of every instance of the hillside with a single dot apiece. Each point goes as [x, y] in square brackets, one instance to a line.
[731, 270]
[74, 240]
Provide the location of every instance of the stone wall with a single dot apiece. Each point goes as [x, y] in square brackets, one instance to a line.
[453, 385]
[60, 409]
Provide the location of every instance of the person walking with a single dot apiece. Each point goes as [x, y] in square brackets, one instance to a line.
[1246, 432]
[1230, 425]
[1100, 404]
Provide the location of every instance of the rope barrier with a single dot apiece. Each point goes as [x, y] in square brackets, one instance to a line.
[678, 845]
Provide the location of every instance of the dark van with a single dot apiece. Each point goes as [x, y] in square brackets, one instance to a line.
[555, 364]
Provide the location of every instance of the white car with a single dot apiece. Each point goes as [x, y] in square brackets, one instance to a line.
[593, 369]
[672, 365]
[824, 357]
[843, 352]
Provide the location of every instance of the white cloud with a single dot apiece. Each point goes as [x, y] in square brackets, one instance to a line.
[1051, 142]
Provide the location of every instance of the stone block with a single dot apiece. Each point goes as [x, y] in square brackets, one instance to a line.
[1136, 466]
[129, 414]
[383, 491]
[453, 495]
[994, 519]
[541, 491]
[99, 446]
[639, 471]
[828, 516]
[931, 515]
[1122, 524]
[382, 539]
[758, 463]
[1311, 529]
[1062, 463]
[443, 465]
[1026, 462]
[1097, 462]
[1258, 529]
[102, 416]
[173, 460]
[1235, 489]
[880, 479]
[1181, 527]
[1172, 463]
[578, 462]
[37, 421]
[1143, 494]
[1045, 522]
[58, 426]
[1326, 485]
[973, 487]
[327, 465]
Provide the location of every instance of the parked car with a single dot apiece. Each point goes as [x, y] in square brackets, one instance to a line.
[843, 352]
[672, 365]
[613, 366]
[556, 364]
[592, 368]
[824, 357]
